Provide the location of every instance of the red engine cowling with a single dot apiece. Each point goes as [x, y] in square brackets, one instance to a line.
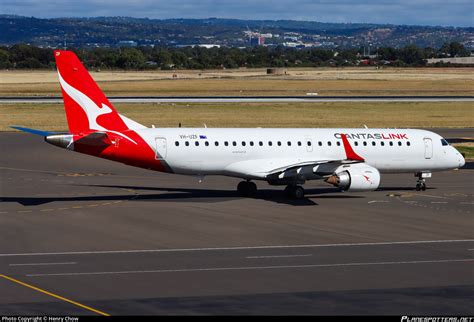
[355, 177]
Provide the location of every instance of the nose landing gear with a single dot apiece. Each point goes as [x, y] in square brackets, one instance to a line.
[421, 185]
[421, 182]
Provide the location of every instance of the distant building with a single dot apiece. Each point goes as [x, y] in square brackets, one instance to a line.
[127, 43]
[291, 38]
[257, 41]
[209, 46]
[454, 60]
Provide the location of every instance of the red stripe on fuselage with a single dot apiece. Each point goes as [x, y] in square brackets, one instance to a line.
[123, 150]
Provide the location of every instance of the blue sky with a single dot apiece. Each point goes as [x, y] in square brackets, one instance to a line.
[410, 12]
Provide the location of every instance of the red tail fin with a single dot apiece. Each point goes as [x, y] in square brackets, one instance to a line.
[87, 108]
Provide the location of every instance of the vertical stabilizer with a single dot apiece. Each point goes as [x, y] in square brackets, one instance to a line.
[87, 108]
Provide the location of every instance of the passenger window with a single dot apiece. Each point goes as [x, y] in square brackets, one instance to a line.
[234, 143]
[299, 143]
[216, 143]
[408, 143]
[176, 143]
[196, 143]
[364, 143]
[373, 143]
[399, 143]
[338, 143]
[309, 143]
[251, 143]
[391, 143]
[289, 143]
[356, 143]
[382, 143]
[186, 143]
[243, 143]
[226, 143]
[320, 143]
[269, 143]
[206, 143]
[279, 143]
[260, 143]
[329, 143]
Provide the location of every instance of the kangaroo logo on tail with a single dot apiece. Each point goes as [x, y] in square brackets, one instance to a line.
[70, 67]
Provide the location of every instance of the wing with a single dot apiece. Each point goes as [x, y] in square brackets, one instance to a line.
[275, 169]
[322, 165]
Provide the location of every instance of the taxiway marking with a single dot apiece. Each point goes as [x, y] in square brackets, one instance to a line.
[278, 256]
[254, 268]
[240, 248]
[43, 264]
[54, 295]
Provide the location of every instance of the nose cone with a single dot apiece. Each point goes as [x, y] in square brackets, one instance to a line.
[462, 161]
[457, 158]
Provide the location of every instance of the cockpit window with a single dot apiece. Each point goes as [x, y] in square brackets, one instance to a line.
[444, 142]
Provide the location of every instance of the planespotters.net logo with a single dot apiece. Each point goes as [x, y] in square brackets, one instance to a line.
[437, 319]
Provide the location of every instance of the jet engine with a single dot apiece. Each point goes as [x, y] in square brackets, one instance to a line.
[355, 177]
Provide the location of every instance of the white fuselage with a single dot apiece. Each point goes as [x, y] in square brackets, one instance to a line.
[251, 152]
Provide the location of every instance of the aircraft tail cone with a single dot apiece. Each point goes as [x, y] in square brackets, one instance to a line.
[61, 140]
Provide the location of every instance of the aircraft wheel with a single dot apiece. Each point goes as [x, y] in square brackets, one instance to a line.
[252, 187]
[423, 186]
[298, 192]
[418, 187]
[243, 188]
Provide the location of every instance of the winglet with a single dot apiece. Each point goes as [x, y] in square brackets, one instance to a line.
[350, 154]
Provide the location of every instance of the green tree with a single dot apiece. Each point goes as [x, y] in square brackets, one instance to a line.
[5, 59]
[130, 58]
[412, 55]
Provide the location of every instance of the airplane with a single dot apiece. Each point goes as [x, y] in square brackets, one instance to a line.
[351, 159]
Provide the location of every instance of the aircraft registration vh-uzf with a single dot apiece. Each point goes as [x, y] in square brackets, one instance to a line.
[350, 159]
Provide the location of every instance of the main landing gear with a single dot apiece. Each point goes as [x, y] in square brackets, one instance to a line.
[247, 188]
[294, 191]
[421, 182]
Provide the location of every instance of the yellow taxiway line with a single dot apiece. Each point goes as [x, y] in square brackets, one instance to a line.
[54, 295]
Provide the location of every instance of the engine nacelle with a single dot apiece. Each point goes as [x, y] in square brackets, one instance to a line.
[355, 177]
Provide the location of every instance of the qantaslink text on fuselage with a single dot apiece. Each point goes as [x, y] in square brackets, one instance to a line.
[374, 136]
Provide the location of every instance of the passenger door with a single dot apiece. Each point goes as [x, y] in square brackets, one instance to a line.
[161, 148]
[428, 148]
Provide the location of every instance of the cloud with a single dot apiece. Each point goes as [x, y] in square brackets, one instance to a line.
[413, 12]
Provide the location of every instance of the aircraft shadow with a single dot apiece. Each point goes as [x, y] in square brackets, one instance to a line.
[184, 195]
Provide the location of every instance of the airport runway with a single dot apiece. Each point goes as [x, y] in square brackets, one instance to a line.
[245, 99]
[119, 240]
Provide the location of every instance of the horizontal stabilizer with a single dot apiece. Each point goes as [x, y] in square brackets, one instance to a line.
[101, 139]
[33, 131]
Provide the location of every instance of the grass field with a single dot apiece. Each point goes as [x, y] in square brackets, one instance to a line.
[400, 115]
[251, 82]
[467, 151]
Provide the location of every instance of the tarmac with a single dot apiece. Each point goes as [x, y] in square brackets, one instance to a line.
[87, 236]
[242, 99]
